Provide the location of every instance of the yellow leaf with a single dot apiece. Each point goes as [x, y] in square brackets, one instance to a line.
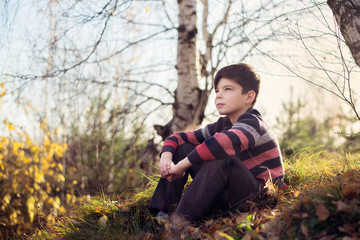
[11, 127]
[47, 142]
[1, 164]
[57, 202]
[60, 166]
[39, 177]
[6, 199]
[30, 203]
[13, 217]
[226, 236]
[2, 85]
[61, 178]
[62, 210]
[296, 193]
[147, 9]
[14, 186]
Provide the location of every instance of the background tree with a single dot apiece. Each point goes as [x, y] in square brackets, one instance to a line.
[223, 27]
[300, 129]
[346, 13]
[228, 33]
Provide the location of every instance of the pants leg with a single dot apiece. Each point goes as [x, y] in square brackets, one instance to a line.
[168, 193]
[225, 180]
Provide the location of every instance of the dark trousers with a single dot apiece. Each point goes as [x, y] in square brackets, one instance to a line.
[225, 182]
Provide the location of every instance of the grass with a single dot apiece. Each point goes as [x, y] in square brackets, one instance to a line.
[323, 200]
[314, 165]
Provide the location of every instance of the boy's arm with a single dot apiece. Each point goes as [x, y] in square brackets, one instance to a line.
[193, 137]
[241, 136]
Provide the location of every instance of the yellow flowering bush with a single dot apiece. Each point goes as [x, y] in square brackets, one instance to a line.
[31, 176]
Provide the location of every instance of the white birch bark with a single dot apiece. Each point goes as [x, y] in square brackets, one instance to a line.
[190, 100]
[347, 15]
[188, 94]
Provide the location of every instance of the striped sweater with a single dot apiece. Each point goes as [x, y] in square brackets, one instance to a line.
[249, 139]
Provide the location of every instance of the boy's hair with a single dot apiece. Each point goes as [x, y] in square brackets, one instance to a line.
[243, 74]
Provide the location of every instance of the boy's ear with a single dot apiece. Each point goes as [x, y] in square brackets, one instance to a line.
[250, 96]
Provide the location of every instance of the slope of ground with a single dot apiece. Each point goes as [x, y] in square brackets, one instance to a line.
[322, 202]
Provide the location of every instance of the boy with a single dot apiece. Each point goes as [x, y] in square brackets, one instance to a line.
[229, 160]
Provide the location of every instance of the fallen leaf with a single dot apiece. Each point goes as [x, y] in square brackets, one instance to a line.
[300, 215]
[351, 176]
[305, 230]
[209, 223]
[322, 212]
[102, 221]
[228, 221]
[328, 237]
[341, 206]
[296, 193]
[348, 228]
[351, 190]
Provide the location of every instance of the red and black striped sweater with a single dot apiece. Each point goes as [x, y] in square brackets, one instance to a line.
[249, 139]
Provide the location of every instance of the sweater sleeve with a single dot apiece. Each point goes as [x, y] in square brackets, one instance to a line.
[242, 136]
[195, 138]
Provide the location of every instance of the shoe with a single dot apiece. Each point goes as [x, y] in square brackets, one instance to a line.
[162, 214]
[161, 217]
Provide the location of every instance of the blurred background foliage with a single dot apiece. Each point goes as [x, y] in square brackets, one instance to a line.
[39, 181]
[31, 181]
[300, 128]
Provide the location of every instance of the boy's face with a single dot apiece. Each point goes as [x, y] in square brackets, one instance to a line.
[230, 100]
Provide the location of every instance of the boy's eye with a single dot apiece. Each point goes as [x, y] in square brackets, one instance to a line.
[226, 89]
[216, 90]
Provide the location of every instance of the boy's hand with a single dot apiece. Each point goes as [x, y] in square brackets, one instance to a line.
[165, 163]
[178, 170]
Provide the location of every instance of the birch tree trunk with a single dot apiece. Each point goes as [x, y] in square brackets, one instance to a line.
[190, 100]
[347, 15]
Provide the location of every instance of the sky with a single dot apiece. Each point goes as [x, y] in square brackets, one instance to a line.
[279, 85]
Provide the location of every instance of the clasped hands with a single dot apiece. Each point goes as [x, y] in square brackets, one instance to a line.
[172, 171]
